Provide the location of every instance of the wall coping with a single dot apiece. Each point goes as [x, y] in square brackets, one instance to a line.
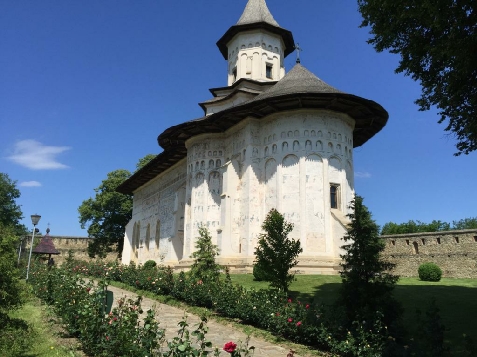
[426, 234]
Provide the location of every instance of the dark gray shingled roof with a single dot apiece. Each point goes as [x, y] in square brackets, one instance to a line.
[256, 16]
[257, 11]
[298, 80]
[299, 89]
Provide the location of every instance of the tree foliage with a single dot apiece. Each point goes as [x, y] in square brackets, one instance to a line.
[421, 227]
[10, 211]
[204, 267]
[466, 223]
[11, 285]
[275, 253]
[437, 41]
[414, 227]
[367, 278]
[107, 214]
[144, 161]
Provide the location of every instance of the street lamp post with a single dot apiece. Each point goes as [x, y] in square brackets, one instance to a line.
[34, 219]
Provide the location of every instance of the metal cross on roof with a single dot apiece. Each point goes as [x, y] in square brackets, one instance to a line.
[298, 49]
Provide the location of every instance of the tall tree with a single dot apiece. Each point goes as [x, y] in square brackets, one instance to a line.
[107, 214]
[367, 279]
[275, 253]
[437, 41]
[10, 211]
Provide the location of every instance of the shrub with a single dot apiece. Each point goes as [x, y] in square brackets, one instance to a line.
[150, 264]
[258, 273]
[276, 253]
[429, 272]
[205, 268]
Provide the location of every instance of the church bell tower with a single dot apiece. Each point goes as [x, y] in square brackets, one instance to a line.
[256, 45]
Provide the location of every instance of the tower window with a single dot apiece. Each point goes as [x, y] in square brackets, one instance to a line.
[334, 195]
[234, 73]
[268, 71]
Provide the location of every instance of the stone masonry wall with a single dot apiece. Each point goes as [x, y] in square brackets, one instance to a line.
[79, 246]
[455, 252]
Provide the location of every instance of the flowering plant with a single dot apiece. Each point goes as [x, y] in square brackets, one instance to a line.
[230, 347]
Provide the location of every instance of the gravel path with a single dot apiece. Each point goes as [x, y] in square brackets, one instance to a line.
[218, 334]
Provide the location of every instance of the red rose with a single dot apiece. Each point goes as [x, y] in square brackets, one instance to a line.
[298, 323]
[230, 347]
[307, 306]
[289, 300]
[290, 319]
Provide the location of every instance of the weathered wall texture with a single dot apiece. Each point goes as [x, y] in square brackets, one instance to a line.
[230, 182]
[455, 252]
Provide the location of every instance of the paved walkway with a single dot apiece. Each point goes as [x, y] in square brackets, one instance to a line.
[218, 334]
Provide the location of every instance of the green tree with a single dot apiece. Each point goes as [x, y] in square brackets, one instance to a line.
[107, 214]
[437, 42]
[414, 227]
[144, 161]
[466, 223]
[275, 253]
[11, 285]
[10, 211]
[367, 279]
[204, 266]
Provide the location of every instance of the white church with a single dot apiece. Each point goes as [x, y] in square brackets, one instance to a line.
[269, 139]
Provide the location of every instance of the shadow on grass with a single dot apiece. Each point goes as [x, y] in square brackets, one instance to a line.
[457, 305]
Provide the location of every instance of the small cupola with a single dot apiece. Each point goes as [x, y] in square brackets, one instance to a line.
[256, 45]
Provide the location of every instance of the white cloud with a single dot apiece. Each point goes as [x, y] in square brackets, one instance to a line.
[36, 156]
[30, 184]
[362, 174]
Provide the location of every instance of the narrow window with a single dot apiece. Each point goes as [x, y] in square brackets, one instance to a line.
[475, 239]
[148, 236]
[268, 71]
[407, 241]
[456, 239]
[158, 234]
[334, 195]
[393, 242]
[416, 248]
[423, 241]
[438, 241]
[234, 73]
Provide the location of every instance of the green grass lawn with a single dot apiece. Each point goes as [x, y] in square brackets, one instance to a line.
[47, 338]
[456, 299]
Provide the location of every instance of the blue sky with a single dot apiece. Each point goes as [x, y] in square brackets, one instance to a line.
[87, 86]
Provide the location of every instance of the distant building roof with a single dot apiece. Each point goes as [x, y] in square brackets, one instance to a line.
[46, 245]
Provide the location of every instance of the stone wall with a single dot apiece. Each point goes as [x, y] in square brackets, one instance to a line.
[455, 252]
[79, 246]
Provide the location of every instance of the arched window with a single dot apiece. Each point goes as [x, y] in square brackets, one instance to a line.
[334, 195]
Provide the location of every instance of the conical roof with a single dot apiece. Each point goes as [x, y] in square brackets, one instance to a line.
[257, 11]
[257, 16]
[297, 80]
[46, 245]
